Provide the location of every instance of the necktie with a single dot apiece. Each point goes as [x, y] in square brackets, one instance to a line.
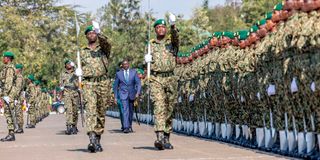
[126, 76]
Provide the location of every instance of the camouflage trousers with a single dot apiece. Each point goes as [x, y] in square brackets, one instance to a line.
[19, 114]
[164, 95]
[9, 116]
[32, 114]
[71, 104]
[96, 95]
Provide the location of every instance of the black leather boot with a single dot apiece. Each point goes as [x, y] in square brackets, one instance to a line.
[167, 144]
[93, 142]
[159, 143]
[74, 129]
[68, 131]
[9, 137]
[99, 147]
[19, 131]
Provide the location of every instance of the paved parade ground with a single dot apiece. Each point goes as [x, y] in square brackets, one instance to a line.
[48, 142]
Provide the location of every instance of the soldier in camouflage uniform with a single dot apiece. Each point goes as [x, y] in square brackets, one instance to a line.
[31, 99]
[163, 83]
[70, 97]
[19, 98]
[96, 85]
[7, 79]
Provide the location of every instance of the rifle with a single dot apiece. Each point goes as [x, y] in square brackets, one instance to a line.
[136, 112]
[79, 78]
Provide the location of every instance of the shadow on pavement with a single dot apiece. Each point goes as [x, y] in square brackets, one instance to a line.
[78, 150]
[115, 131]
[61, 132]
[146, 148]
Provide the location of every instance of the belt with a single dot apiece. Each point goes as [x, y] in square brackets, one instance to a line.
[95, 79]
[162, 74]
[70, 87]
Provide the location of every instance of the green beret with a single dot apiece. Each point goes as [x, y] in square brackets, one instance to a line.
[243, 35]
[179, 54]
[278, 7]
[8, 54]
[31, 77]
[254, 28]
[158, 22]
[66, 61]
[19, 66]
[217, 34]
[262, 22]
[37, 82]
[188, 54]
[228, 34]
[140, 71]
[88, 29]
[44, 90]
[268, 15]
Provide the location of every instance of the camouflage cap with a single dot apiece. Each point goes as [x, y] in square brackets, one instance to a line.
[159, 22]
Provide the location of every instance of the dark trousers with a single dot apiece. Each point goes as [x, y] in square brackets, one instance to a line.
[127, 112]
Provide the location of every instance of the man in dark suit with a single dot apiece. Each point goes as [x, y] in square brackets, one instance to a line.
[127, 84]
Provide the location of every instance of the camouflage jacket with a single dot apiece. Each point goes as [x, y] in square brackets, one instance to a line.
[31, 93]
[164, 53]
[19, 86]
[95, 62]
[7, 81]
[68, 80]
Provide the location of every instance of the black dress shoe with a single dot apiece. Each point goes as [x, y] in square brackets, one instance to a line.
[9, 137]
[19, 131]
[126, 130]
[130, 130]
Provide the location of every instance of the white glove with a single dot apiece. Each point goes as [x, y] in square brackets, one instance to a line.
[179, 99]
[72, 64]
[191, 98]
[78, 72]
[6, 99]
[259, 96]
[96, 27]
[148, 58]
[62, 88]
[172, 19]
[242, 99]
[294, 86]
[271, 90]
[313, 87]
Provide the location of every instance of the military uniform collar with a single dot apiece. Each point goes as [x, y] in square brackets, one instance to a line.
[97, 46]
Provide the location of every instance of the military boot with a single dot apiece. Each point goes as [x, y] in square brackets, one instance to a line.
[74, 129]
[167, 144]
[68, 131]
[9, 137]
[99, 147]
[19, 130]
[159, 143]
[30, 126]
[93, 142]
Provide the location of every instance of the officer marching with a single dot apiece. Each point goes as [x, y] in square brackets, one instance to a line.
[163, 83]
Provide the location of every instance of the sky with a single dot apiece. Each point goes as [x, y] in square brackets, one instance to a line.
[159, 7]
